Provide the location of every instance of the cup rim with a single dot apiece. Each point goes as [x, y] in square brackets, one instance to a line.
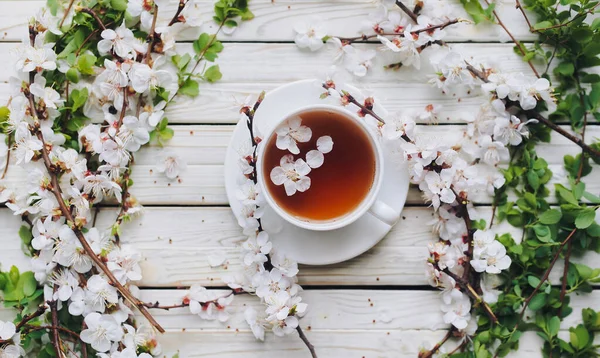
[347, 218]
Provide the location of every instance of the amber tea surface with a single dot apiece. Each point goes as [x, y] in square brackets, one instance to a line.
[341, 183]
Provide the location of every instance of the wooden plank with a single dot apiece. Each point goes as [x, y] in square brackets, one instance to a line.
[243, 66]
[275, 20]
[202, 183]
[180, 257]
[365, 310]
[207, 144]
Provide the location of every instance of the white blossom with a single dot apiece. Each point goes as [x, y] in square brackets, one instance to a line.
[101, 331]
[120, 41]
[310, 35]
[292, 174]
[290, 133]
[171, 165]
[458, 312]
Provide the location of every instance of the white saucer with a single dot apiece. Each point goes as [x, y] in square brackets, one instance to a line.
[306, 246]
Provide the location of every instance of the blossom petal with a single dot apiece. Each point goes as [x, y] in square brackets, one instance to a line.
[314, 159]
[301, 167]
[290, 187]
[278, 176]
[303, 184]
[325, 144]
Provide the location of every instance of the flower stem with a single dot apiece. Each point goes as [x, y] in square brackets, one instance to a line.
[180, 8]
[547, 273]
[62, 21]
[590, 11]
[432, 351]
[94, 15]
[406, 10]
[517, 43]
[520, 7]
[5, 170]
[304, 339]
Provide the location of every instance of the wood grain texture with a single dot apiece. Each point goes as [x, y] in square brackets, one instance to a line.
[179, 257]
[249, 68]
[367, 310]
[203, 182]
[275, 20]
[340, 323]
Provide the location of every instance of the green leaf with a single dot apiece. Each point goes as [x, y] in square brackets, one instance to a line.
[212, 74]
[553, 325]
[550, 217]
[542, 25]
[201, 43]
[595, 24]
[14, 274]
[119, 5]
[542, 232]
[582, 35]
[579, 336]
[189, 88]
[533, 281]
[85, 64]
[72, 75]
[533, 179]
[538, 301]
[585, 272]
[25, 234]
[29, 283]
[475, 10]
[565, 69]
[53, 6]
[585, 218]
[79, 98]
[566, 195]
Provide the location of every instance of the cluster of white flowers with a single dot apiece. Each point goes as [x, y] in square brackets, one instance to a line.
[293, 174]
[122, 93]
[448, 176]
[267, 272]
[404, 41]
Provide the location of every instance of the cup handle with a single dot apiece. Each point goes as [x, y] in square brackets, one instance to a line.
[384, 212]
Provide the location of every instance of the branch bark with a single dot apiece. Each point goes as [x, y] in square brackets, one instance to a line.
[407, 11]
[304, 339]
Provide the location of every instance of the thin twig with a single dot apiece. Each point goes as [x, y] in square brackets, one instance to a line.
[55, 338]
[180, 8]
[304, 339]
[563, 287]
[590, 11]
[349, 40]
[464, 283]
[94, 15]
[517, 43]
[547, 273]
[7, 158]
[407, 11]
[62, 21]
[432, 351]
[520, 7]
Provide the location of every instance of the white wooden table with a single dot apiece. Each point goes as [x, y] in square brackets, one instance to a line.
[377, 305]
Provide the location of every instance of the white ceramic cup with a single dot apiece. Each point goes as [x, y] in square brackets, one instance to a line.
[370, 203]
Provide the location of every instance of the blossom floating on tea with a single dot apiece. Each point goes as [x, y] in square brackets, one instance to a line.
[325, 144]
[290, 133]
[292, 174]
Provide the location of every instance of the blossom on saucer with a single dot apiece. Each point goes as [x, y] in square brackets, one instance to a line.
[292, 174]
[290, 133]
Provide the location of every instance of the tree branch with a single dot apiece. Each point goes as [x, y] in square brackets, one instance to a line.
[432, 351]
[94, 15]
[406, 10]
[304, 339]
[62, 21]
[180, 8]
[517, 43]
[547, 273]
[520, 7]
[55, 338]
